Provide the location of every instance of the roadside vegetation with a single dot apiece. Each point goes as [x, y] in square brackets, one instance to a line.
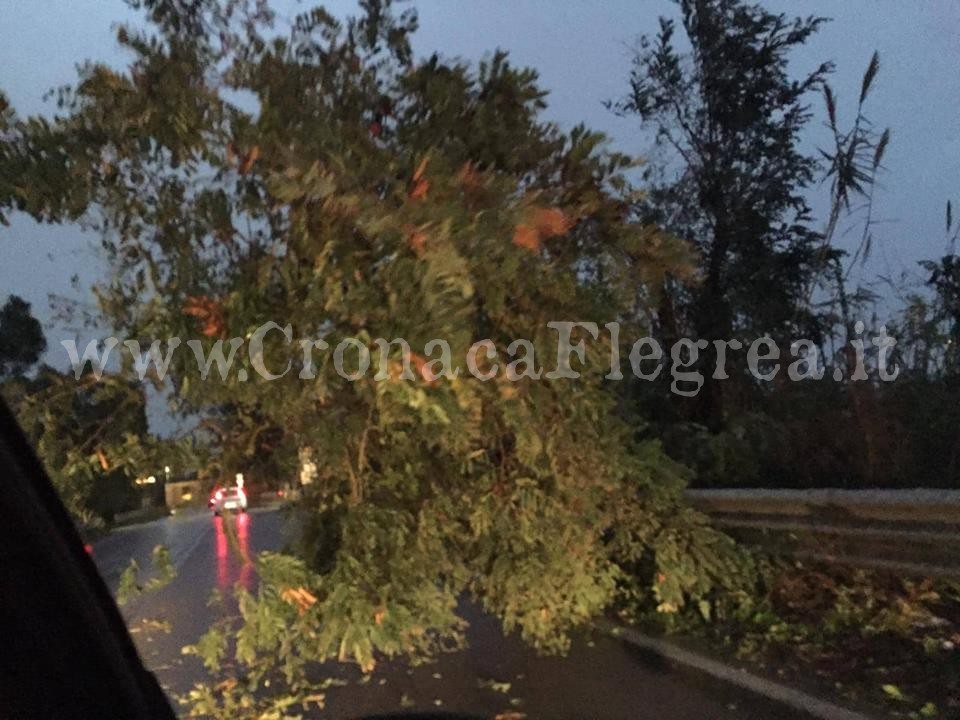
[881, 640]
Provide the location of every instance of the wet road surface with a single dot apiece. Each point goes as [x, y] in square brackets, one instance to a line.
[601, 678]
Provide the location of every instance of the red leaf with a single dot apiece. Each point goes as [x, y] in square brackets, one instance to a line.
[527, 238]
[419, 189]
[250, 159]
[209, 313]
[416, 238]
[551, 222]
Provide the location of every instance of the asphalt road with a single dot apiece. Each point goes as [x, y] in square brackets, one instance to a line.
[601, 679]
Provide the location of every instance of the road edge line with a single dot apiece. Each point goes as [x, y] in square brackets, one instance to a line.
[795, 699]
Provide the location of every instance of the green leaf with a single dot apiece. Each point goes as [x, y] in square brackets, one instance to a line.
[892, 691]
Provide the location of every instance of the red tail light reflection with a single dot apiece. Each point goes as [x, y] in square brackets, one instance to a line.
[227, 560]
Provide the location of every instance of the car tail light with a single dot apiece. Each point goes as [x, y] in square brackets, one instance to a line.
[218, 494]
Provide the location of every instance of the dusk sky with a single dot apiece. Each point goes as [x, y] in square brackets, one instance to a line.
[582, 51]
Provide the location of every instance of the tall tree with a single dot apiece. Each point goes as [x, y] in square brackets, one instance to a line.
[21, 337]
[729, 116]
[355, 193]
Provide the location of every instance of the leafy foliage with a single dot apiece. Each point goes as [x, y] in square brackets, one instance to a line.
[164, 572]
[317, 175]
[89, 436]
[92, 438]
[890, 641]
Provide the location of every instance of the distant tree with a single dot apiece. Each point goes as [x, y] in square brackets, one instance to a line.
[731, 181]
[90, 435]
[944, 279]
[21, 337]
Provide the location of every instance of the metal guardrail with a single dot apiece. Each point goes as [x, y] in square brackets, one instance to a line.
[911, 531]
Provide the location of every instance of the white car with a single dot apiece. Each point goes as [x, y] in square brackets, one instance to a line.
[228, 498]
